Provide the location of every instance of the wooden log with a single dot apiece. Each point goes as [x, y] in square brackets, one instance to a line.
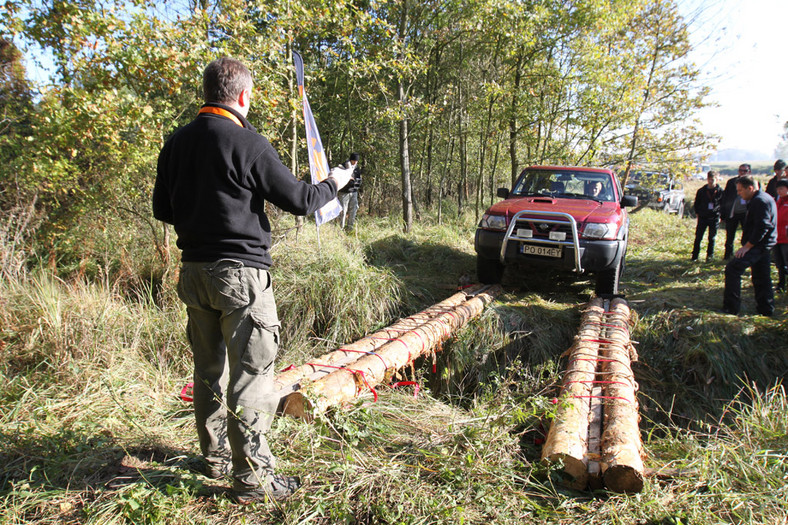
[289, 380]
[594, 454]
[622, 447]
[370, 370]
[567, 439]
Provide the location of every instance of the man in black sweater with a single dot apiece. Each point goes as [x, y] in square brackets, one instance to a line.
[779, 174]
[214, 176]
[707, 209]
[759, 235]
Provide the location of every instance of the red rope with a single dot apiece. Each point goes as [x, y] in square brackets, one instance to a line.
[367, 352]
[408, 383]
[605, 397]
[287, 369]
[354, 372]
[398, 340]
[599, 383]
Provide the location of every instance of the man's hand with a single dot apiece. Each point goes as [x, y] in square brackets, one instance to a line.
[341, 176]
[741, 252]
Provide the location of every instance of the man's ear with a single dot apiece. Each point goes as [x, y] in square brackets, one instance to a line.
[244, 98]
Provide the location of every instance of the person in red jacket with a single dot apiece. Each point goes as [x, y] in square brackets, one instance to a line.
[781, 250]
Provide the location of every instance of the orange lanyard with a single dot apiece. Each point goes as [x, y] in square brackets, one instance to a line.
[221, 111]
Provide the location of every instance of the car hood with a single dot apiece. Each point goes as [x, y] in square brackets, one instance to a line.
[582, 210]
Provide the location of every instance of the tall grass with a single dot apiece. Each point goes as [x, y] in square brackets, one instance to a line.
[92, 429]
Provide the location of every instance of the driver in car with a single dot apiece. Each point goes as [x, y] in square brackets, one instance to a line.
[594, 189]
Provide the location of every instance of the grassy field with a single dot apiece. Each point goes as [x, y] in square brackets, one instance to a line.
[93, 430]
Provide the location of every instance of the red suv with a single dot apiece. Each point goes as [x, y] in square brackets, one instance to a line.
[570, 218]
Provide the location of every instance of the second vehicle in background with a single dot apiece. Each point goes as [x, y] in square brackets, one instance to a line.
[656, 190]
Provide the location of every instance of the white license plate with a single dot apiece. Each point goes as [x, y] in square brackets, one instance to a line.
[545, 251]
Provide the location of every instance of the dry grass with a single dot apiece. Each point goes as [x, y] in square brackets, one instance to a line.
[93, 430]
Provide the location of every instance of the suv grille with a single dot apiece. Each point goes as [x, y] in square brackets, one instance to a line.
[541, 230]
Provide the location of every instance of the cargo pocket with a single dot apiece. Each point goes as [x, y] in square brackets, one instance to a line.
[263, 345]
[186, 287]
[228, 285]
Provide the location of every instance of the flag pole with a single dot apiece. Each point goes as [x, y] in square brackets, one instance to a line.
[318, 164]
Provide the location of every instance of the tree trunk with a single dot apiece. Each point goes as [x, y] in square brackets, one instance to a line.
[290, 380]
[367, 372]
[622, 448]
[404, 153]
[567, 440]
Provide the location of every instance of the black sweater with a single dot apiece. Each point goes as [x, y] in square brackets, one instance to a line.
[212, 181]
[706, 196]
[760, 223]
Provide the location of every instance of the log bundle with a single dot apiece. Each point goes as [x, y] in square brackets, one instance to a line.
[595, 435]
[347, 372]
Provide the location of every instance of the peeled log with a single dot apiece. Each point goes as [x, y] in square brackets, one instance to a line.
[289, 380]
[622, 448]
[595, 439]
[567, 440]
[368, 371]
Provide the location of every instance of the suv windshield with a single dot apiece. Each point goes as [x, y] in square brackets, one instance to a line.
[648, 179]
[565, 183]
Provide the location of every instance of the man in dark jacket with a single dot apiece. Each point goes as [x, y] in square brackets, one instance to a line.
[349, 195]
[779, 173]
[759, 235]
[707, 209]
[213, 178]
[733, 210]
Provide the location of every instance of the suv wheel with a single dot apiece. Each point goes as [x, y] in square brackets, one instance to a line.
[488, 271]
[607, 280]
[680, 211]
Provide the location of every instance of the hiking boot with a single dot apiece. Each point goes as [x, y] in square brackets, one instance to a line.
[276, 487]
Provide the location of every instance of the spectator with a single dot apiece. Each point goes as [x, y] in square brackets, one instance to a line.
[349, 195]
[707, 209]
[759, 235]
[781, 249]
[213, 179]
[779, 173]
[734, 208]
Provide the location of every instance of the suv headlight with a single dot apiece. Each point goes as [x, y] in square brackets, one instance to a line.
[599, 230]
[493, 222]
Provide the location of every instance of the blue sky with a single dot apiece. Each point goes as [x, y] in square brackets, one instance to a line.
[741, 48]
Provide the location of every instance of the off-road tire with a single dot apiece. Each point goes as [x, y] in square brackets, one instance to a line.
[680, 210]
[489, 271]
[607, 281]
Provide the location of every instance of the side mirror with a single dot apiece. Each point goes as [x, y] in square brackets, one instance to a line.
[629, 200]
[503, 193]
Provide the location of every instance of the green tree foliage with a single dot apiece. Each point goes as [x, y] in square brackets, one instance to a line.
[660, 129]
[443, 100]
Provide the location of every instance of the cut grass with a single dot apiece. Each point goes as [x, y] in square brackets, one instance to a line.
[93, 430]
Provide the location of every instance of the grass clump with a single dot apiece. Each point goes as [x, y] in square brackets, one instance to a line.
[328, 296]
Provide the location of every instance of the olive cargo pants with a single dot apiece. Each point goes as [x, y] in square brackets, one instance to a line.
[233, 331]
